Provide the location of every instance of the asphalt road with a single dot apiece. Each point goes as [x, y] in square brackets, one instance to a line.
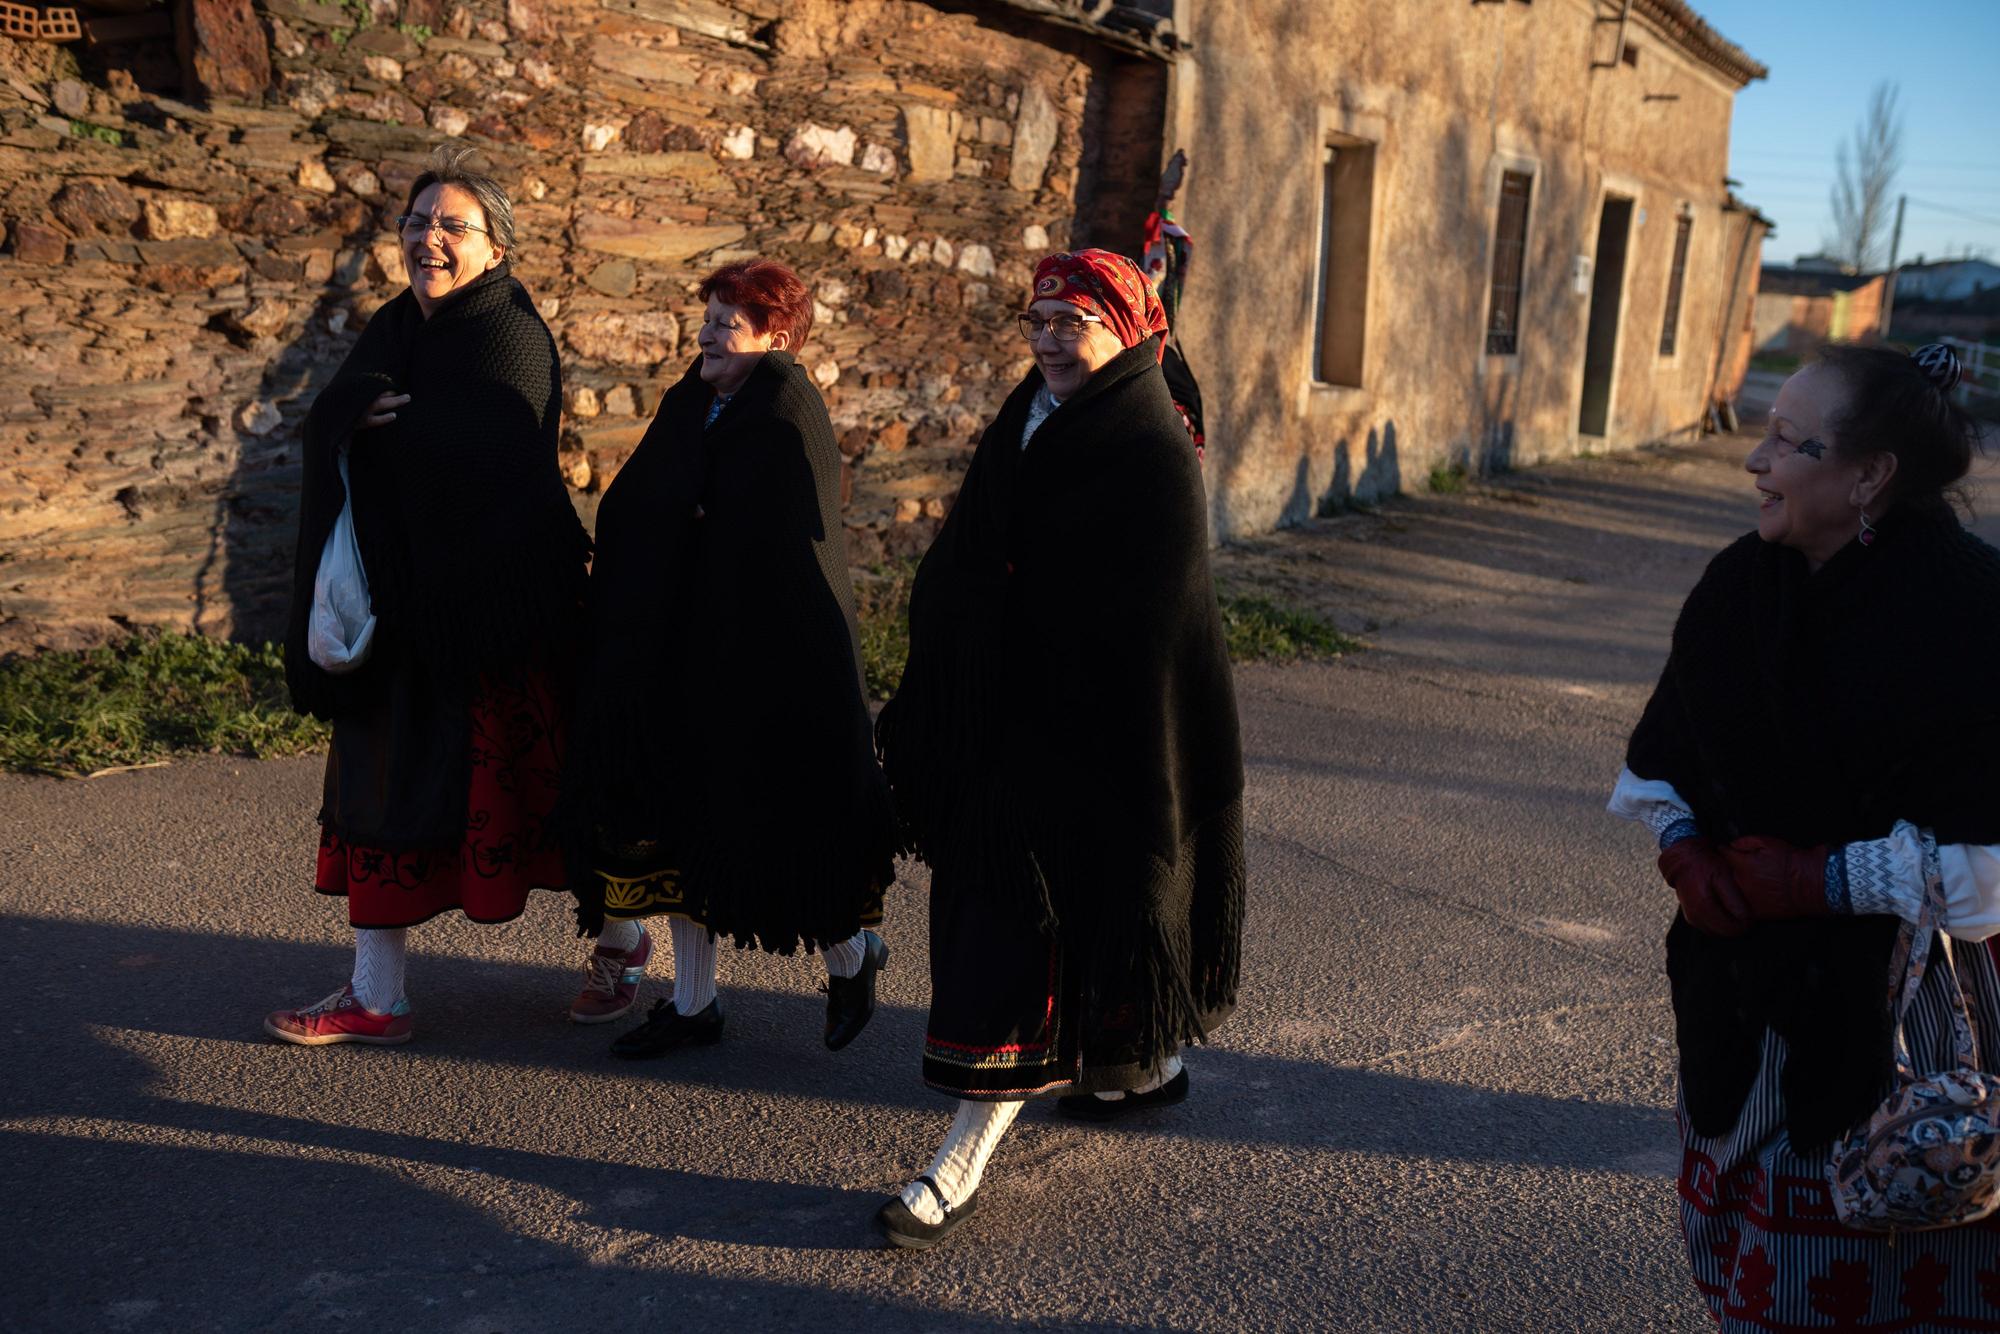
[1443, 1105]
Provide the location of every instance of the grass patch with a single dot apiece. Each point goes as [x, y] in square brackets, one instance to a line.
[1448, 479]
[152, 696]
[1257, 629]
[882, 598]
[104, 134]
[143, 699]
[1260, 630]
[1774, 361]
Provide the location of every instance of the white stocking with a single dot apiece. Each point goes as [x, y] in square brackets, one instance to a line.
[846, 958]
[379, 958]
[694, 966]
[975, 1132]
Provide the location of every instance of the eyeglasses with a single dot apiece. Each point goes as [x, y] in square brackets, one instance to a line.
[417, 224]
[1066, 328]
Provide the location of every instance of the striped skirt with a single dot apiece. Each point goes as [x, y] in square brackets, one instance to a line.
[1767, 1249]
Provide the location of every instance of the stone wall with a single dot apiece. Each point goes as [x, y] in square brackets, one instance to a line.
[190, 248]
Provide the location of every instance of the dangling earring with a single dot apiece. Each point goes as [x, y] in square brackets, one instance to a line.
[1867, 530]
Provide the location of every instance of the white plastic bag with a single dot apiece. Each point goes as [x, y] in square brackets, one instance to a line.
[342, 626]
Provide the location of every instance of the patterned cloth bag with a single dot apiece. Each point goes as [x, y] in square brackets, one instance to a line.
[1930, 1156]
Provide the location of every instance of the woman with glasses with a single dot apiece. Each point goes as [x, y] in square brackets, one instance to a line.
[1063, 749]
[437, 436]
[724, 772]
[1820, 758]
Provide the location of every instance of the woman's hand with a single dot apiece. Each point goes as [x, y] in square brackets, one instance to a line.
[1702, 882]
[1779, 881]
[382, 411]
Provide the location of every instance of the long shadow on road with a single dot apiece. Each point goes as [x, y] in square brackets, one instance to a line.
[244, 1237]
[189, 985]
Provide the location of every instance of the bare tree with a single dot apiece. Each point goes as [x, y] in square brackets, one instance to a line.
[1865, 177]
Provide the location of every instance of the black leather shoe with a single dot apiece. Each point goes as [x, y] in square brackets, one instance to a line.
[1090, 1107]
[667, 1028]
[905, 1229]
[850, 1001]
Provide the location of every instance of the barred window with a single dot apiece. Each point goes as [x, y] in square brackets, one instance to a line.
[1676, 279]
[1510, 244]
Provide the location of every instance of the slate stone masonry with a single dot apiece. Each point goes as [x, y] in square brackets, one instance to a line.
[195, 229]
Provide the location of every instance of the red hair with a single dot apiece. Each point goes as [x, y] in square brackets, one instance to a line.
[768, 292]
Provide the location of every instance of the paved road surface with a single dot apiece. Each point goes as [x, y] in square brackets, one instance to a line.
[1443, 1105]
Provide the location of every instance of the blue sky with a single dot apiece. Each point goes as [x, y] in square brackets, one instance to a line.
[1824, 56]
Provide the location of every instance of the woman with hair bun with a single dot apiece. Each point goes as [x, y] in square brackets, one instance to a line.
[1820, 764]
[724, 769]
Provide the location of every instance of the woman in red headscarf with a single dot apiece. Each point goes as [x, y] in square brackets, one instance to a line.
[1064, 749]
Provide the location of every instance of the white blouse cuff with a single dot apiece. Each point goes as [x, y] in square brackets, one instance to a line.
[1886, 875]
[1651, 802]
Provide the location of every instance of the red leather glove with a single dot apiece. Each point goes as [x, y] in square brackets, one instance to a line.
[1701, 880]
[1779, 881]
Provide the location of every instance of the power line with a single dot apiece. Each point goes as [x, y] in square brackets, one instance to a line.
[1956, 212]
[1822, 157]
[1759, 174]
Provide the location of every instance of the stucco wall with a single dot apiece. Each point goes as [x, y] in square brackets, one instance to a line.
[1796, 324]
[1450, 96]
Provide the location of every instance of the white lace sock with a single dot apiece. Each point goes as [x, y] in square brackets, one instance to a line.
[1165, 1071]
[694, 966]
[620, 933]
[379, 958]
[846, 958]
[975, 1132]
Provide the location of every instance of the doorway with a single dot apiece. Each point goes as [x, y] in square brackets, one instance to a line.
[1607, 290]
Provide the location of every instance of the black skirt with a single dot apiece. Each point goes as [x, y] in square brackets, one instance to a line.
[1007, 1016]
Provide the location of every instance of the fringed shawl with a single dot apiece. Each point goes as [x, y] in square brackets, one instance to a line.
[722, 714]
[475, 558]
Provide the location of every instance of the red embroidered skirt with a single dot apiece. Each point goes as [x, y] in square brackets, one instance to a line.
[516, 742]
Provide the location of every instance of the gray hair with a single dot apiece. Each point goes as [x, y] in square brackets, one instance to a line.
[448, 165]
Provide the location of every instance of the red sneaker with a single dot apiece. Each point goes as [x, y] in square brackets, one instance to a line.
[611, 982]
[340, 1018]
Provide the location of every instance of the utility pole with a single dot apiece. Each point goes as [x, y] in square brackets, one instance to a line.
[1889, 283]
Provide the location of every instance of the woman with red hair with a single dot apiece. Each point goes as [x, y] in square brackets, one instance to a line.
[723, 773]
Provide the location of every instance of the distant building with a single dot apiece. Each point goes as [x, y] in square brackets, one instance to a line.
[1798, 309]
[1946, 279]
[1823, 263]
[1477, 234]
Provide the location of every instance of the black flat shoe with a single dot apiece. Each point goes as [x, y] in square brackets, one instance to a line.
[905, 1229]
[1090, 1107]
[667, 1028]
[850, 1001]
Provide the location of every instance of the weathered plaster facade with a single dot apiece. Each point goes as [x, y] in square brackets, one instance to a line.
[1446, 99]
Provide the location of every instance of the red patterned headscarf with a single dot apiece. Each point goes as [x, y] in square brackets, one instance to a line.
[1107, 285]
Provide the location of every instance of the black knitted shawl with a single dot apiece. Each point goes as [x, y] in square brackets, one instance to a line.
[475, 556]
[1065, 735]
[1821, 708]
[722, 711]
